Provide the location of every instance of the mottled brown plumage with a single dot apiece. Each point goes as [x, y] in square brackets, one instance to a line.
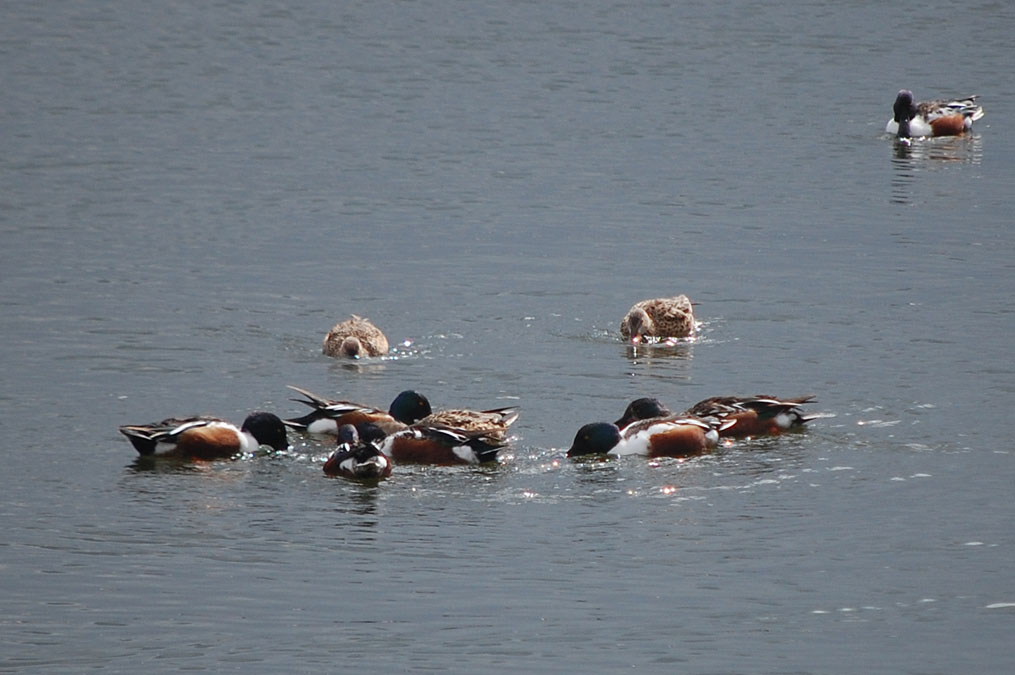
[354, 338]
[659, 318]
[494, 422]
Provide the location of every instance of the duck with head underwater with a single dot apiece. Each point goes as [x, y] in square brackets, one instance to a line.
[653, 437]
[358, 455]
[659, 319]
[207, 437]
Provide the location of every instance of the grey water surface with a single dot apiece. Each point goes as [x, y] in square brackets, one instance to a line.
[192, 193]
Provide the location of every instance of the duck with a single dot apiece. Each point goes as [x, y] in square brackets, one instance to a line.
[409, 407]
[942, 117]
[442, 445]
[642, 409]
[495, 422]
[659, 318]
[327, 415]
[357, 455]
[759, 415]
[205, 437]
[355, 338]
[654, 437]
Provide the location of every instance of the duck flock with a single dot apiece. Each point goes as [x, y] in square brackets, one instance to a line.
[370, 441]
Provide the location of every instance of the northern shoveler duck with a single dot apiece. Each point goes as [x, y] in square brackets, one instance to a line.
[642, 409]
[328, 415]
[748, 416]
[658, 318]
[932, 118]
[358, 456]
[753, 415]
[656, 437]
[494, 422]
[434, 444]
[207, 437]
[354, 338]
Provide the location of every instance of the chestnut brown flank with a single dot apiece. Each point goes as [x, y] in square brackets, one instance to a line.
[681, 441]
[208, 443]
[422, 451]
[386, 423]
[949, 125]
[749, 424]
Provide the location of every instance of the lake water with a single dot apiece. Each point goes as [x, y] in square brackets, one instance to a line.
[191, 194]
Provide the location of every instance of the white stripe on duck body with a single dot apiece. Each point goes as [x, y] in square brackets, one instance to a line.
[453, 436]
[438, 444]
[358, 455]
[206, 437]
[328, 415]
[674, 436]
[942, 117]
[758, 415]
[409, 407]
